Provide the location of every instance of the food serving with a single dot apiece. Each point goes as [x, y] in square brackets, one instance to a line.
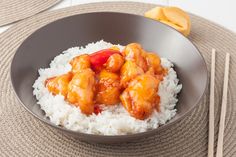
[108, 89]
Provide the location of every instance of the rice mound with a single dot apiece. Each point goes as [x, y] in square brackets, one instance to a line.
[113, 120]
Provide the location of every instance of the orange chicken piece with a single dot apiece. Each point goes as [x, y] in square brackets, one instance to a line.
[134, 52]
[80, 62]
[154, 66]
[154, 61]
[81, 90]
[114, 63]
[128, 72]
[140, 97]
[108, 88]
[59, 84]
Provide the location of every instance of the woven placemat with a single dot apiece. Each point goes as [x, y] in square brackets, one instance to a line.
[23, 135]
[15, 10]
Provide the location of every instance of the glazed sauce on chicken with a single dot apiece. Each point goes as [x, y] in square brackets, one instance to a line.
[111, 77]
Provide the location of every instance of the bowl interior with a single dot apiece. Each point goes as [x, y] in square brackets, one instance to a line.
[42, 46]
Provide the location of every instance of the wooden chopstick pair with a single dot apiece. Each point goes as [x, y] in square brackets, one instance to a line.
[219, 151]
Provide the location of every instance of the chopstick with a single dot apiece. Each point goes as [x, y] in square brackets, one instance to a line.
[211, 107]
[219, 151]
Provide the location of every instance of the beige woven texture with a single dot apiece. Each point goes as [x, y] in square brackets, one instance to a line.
[15, 10]
[23, 135]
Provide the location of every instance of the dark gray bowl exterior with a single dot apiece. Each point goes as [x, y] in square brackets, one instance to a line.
[42, 46]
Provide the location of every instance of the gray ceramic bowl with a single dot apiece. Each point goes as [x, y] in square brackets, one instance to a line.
[43, 45]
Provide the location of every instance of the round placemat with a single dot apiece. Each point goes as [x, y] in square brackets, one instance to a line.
[15, 10]
[23, 135]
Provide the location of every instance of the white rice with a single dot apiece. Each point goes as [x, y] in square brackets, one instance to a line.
[113, 120]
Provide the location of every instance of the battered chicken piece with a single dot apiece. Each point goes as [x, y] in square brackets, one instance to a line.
[108, 88]
[114, 63]
[81, 90]
[80, 62]
[154, 61]
[140, 97]
[134, 52]
[154, 66]
[128, 72]
[59, 84]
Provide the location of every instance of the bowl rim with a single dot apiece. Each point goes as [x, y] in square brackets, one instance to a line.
[148, 132]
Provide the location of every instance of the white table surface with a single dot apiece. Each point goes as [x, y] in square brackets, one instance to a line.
[222, 12]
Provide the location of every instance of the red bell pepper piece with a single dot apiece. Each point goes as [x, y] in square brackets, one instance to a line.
[99, 58]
